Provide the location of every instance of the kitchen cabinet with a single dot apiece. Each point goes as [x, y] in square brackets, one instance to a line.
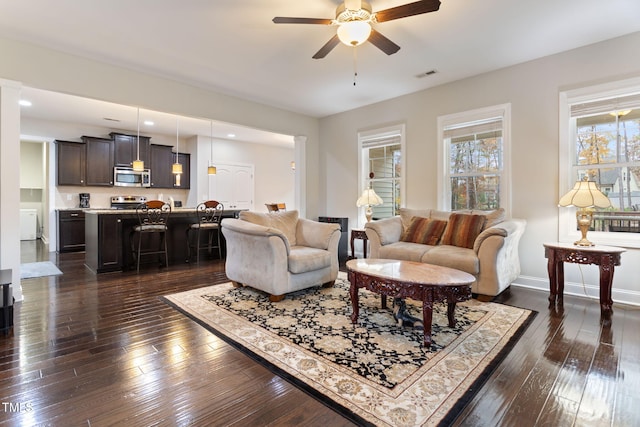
[104, 243]
[185, 179]
[71, 225]
[125, 149]
[99, 161]
[71, 162]
[162, 160]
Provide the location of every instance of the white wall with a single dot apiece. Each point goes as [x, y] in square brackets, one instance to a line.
[274, 180]
[532, 89]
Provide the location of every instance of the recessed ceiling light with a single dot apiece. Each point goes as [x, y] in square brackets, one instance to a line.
[25, 103]
[231, 135]
[149, 122]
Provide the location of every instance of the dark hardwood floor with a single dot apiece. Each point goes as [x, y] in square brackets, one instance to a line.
[104, 350]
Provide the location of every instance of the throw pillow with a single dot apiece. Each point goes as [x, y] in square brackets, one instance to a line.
[407, 214]
[462, 230]
[424, 230]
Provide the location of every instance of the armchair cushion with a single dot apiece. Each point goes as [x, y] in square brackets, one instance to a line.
[303, 259]
[462, 230]
[424, 230]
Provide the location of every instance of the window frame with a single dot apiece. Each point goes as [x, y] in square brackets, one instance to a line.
[567, 232]
[363, 165]
[470, 116]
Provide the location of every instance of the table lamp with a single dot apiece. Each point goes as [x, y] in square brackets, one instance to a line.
[369, 198]
[585, 196]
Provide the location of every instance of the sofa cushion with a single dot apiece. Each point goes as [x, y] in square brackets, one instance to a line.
[285, 221]
[404, 251]
[406, 215]
[303, 259]
[462, 230]
[424, 230]
[453, 257]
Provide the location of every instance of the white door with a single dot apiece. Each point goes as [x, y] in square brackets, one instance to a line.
[233, 186]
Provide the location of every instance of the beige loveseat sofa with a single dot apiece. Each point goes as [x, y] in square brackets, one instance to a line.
[480, 243]
[278, 252]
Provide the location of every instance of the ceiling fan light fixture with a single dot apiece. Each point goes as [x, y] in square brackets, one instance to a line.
[354, 33]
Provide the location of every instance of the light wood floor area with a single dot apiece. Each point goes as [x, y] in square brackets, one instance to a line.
[103, 350]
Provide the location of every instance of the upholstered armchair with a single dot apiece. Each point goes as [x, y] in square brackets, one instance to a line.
[279, 253]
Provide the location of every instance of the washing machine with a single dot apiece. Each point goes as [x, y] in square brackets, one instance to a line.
[28, 224]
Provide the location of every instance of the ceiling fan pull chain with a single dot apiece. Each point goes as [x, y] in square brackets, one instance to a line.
[355, 65]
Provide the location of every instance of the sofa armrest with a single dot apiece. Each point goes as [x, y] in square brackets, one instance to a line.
[497, 249]
[383, 232]
[316, 234]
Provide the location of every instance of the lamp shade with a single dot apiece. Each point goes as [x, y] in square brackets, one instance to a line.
[176, 168]
[211, 170]
[369, 198]
[354, 33]
[585, 194]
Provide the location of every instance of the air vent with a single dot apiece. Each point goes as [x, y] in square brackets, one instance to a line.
[426, 73]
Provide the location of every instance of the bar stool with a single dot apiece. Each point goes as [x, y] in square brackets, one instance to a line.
[152, 219]
[209, 215]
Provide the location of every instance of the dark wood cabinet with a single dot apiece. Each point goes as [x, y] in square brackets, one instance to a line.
[99, 161]
[71, 162]
[125, 149]
[185, 179]
[71, 226]
[104, 243]
[161, 160]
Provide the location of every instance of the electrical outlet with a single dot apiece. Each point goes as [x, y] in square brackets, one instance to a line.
[69, 197]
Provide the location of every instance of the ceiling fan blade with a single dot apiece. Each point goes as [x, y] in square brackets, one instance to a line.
[383, 43]
[288, 20]
[328, 47]
[410, 9]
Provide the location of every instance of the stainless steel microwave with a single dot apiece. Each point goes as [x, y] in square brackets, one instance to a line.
[127, 177]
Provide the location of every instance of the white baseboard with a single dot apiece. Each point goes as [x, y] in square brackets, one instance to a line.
[621, 296]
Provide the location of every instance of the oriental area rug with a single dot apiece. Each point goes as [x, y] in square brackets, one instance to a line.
[374, 372]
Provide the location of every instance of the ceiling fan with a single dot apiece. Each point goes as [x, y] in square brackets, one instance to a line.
[354, 19]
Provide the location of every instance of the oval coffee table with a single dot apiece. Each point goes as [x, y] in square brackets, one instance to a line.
[408, 279]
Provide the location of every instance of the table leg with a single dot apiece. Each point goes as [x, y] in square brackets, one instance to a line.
[364, 247]
[606, 280]
[427, 318]
[353, 253]
[353, 292]
[451, 311]
[383, 301]
[553, 278]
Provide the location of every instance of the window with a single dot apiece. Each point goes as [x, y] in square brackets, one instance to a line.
[472, 172]
[382, 154]
[600, 139]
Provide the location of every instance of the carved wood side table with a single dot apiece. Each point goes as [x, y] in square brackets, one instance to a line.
[606, 257]
[407, 279]
[359, 233]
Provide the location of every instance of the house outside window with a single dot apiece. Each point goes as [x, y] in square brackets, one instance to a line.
[600, 140]
[472, 171]
[382, 154]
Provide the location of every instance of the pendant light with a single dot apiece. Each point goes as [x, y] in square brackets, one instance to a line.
[211, 169]
[138, 165]
[176, 168]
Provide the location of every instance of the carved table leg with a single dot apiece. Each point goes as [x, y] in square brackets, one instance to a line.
[451, 311]
[427, 318]
[553, 277]
[606, 281]
[353, 292]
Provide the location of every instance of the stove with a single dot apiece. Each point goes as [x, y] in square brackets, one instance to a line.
[126, 202]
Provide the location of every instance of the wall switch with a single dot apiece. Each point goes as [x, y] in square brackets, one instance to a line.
[69, 197]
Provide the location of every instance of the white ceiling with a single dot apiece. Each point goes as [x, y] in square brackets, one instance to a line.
[233, 47]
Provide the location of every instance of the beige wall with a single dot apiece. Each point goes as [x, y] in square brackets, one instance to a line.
[532, 89]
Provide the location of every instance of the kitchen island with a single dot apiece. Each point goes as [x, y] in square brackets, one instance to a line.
[108, 244]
